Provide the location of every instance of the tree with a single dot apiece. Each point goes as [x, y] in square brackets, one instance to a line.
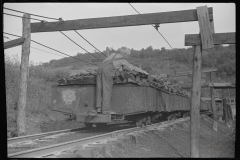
[163, 49]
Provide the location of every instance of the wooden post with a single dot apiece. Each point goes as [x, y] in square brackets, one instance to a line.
[227, 111]
[212, 92]
[207, 42]
[212, 30]
[195, 101]
[21, 115]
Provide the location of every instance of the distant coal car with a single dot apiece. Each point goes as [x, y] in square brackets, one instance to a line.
[130, 101]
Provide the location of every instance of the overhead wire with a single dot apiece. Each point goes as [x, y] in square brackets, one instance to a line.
[60, 31]
[83, 38]
[62, 53]
[79, 45]
[54, 50]
[107, 35]
[152, 25]
[47, 52]
[90, 43]
[30, 13]
[23, 17]
[39, 49]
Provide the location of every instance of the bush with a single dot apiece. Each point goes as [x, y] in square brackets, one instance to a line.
[38, 88]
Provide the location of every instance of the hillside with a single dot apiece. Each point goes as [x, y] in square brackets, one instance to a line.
[155, 61]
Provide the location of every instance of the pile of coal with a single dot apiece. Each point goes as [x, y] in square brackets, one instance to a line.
[125, 76]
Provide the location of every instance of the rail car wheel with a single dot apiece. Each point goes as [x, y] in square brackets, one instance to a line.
[148, 122]
[139, 123]
[154, 118]
[89, 125]
[144, 121]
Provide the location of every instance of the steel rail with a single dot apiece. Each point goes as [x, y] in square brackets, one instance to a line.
[41, 135]
[36, 136]
[43, 151]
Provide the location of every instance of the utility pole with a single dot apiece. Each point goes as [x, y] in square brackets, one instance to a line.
[21, 113]
[195, 101]
[207, 42]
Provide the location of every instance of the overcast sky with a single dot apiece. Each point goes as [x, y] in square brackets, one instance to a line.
[136, 37]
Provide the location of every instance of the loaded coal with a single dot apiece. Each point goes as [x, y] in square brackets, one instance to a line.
[124, 77]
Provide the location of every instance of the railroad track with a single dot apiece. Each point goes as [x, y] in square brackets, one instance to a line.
[22, 139]
[36, 136]
[63, 147]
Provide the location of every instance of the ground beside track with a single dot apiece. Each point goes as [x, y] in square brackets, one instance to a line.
[174, 141]
[66, 137]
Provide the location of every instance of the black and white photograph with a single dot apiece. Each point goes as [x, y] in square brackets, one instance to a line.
[120, 79]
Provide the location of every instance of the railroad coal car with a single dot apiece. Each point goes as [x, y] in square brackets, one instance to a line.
[129, 101]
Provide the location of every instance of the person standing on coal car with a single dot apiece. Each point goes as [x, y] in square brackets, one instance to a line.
[105, 74]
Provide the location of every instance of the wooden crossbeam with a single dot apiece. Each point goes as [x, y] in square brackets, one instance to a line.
[190, 87]
[218, 38]
[214, 85]
[205, 27]
[190, 72]
[14, 43]
[119, 21]
[221, 85]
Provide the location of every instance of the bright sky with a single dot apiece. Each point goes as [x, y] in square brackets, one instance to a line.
[136, 37]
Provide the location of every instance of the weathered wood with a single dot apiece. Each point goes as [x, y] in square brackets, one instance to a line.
[14, 43]
[212, 93]
[195, 101]
[190, 72]
[119, 21]
[205, 28]
[227, 85]
[212, 89]
[218, 38]
[227, 112]
[21, 115]
[190, 87]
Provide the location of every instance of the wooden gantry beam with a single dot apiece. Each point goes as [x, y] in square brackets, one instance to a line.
[202, 43]
[218, 38]
[207, 42]
[227, 85]
[14, 43]
[189, 87]
[186, 73]
[206, 27]
[119, 21]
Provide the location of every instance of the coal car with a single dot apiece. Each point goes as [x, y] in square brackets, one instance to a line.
[130, 101]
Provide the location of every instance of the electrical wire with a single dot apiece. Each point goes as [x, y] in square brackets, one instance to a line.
[29, 13]
[6, 37]
[62, 52]
[112, 36]
[79, 45]
[40, 49]
[151, 24]
[47, 52]
[23, 17]
[89, 43]
[11, 34]
[83, 38]
[53, 49]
